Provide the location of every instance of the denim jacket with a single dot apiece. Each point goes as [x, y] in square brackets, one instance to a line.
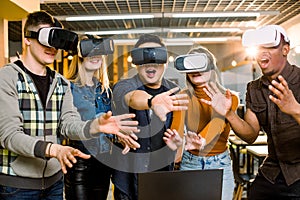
[91, 103]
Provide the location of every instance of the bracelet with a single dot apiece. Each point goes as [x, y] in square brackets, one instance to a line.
[150, 102]
[49, 149]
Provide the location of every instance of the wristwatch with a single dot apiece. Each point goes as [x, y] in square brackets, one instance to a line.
[150, 102]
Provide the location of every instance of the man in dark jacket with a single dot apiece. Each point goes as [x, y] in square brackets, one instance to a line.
[272, 103]
[151, 97]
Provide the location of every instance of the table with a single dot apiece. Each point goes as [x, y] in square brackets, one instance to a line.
[260, 140]
[258, 152]
[240, 144]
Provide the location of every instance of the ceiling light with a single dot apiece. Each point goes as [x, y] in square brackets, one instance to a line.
[297, 49]
[215, 14]
[251, 51]
[191, 41]
[121, 32]
[107, 17]
[220, 14]
[165, 15]
[206, 30]
[233, 63]
[181, 41]
[161, 30]
[129, 59]
[171, 58]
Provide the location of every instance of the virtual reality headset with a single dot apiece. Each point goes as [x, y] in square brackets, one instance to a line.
[192, 63]
[267, 36]
[95, 46]
[148, 55]
[55, 37]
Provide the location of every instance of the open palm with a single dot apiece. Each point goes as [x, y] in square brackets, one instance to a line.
[220, 102]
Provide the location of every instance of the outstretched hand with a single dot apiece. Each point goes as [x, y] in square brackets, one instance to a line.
[165, 102]
[220, 102]
[194, 141]
[121, 125]
[66, 155]
[172, 139]
[128, 140]
[283, 97]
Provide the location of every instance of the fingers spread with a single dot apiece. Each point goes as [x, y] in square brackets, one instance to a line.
[173, 90]
[106, 115]
[283, 81]
[129, 140]
[179, 96]
[128, 123]
[126, 116]
[126, 150]
[178, 108]
[208, 92]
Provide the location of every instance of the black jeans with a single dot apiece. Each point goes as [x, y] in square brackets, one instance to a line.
[87, 180]
[261, 188]
[119, 195]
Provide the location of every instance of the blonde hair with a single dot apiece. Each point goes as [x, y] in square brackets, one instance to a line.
[76, 72]
[212, 65]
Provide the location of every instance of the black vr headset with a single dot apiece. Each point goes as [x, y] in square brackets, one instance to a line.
[147, 55]
[95, 46]
[55, 37]
[192, 63]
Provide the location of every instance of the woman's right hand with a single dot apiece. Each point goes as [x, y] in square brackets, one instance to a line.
[194, 141]
[220, 102]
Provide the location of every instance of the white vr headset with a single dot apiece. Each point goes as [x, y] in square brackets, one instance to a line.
[192, 63]
[55, 37]
[267, 36]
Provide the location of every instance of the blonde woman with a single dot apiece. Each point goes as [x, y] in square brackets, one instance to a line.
[90, 179]
[206, 131]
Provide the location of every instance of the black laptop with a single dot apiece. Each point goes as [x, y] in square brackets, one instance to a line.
[181, 185]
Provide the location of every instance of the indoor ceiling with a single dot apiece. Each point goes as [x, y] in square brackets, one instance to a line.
[163, 22]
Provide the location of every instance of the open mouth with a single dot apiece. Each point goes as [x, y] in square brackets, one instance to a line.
[151, 72]
[263, 62]
[94, 60]
[198, 74]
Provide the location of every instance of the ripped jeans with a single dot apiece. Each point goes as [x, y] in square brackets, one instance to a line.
[220, 161]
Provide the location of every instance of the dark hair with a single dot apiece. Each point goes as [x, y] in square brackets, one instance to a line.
[283, 40]
[146, 38]
[38, 18]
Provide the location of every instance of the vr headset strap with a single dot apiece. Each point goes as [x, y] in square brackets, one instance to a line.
[31, 34]
[90, 36]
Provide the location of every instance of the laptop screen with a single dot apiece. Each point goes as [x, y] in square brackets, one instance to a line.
[181, 185]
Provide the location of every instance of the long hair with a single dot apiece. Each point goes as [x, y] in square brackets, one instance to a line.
[76, 72]
[212, 65]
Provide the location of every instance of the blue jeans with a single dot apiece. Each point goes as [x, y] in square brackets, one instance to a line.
[220, 161]
[55, 192]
